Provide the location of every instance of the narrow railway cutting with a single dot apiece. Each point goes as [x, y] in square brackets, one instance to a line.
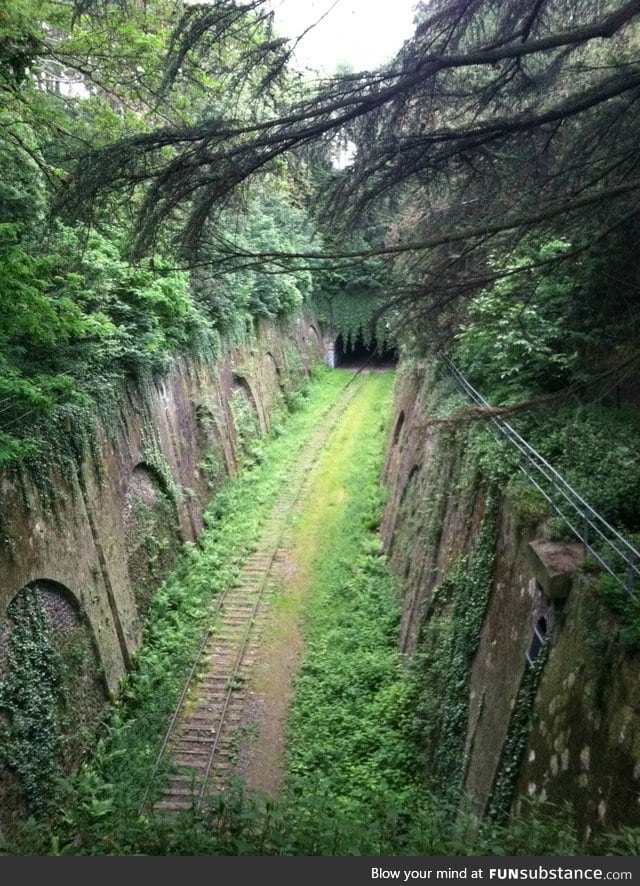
[201, 740]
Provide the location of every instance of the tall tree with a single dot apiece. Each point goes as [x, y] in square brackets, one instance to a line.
[76, 76]
[498, 122]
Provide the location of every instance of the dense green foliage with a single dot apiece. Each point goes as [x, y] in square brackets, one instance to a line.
[112, 787]
[351, 298]
[492, 165]
[515, 343]
[442, 662]
[165, 184]
[354, 782]
[51, 697]
[29, 699]
[80, 318]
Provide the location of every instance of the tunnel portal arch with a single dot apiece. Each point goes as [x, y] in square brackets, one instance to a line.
[354, 352]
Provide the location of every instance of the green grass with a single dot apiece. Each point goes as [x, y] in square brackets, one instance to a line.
[352, 783]
[111, 787]
[346, 724]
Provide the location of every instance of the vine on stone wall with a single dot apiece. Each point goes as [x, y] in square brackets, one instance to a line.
[213, 468]
[245, 420]
[52, 698]
[504, 787]
[154, 543]
[442, 662]
[212, 465]
[294, 364]
[154, 456]
[30, 697]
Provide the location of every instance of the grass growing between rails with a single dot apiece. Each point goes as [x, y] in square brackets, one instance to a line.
[102, 803]
[347, 757]
[354, 781]
[353, 776]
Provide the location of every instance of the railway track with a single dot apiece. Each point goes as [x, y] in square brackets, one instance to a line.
[201, 740]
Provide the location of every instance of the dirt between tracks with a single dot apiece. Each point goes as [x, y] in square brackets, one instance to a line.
[262, 740]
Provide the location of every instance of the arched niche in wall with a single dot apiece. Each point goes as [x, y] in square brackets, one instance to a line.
[52, 696]
[314, 335]
[398, 428]
[406, 499]
[215, 452]
[313, 341]
[152, 533]
[245, 414]
[271, 374]
[406, 506]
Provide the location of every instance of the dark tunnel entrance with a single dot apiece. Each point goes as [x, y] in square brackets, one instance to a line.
[355, 354]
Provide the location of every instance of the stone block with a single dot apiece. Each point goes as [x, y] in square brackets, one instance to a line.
[553, 566]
